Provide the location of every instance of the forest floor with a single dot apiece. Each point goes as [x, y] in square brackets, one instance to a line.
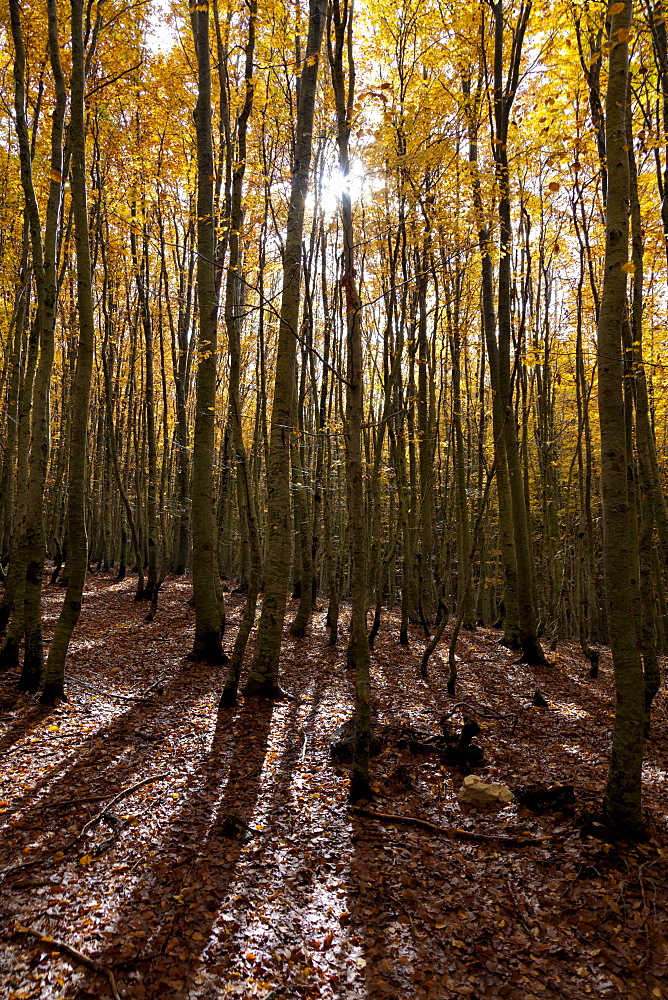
[170, 895]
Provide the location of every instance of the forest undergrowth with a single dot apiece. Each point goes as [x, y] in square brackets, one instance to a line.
[235, 868]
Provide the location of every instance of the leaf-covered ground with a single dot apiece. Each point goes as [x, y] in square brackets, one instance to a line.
[237, 870]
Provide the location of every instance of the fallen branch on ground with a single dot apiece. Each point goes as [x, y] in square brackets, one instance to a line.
[73, 952]
[486, 713]
[121, 795]
[155, 684]
[91, 822]
[449, 831]
[106, 694]
[57, 803]
[118, 825]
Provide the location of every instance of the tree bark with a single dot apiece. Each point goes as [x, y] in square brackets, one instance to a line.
[263, 678]
[207, 644]
[622, 801]
[234, 323]
[340, 38]
[77, 550]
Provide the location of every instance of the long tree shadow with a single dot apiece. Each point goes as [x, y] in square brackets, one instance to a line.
[188, 875]
[282, 899]
[126, 620]
[112, 755]
[258, 894]
[24, 717]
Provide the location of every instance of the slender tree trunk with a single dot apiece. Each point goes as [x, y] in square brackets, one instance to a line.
[340, 37]
[44, 263]
[233, 322]
[464, 593]
[207, 645]
[263, 677]
[532, 652]
[113, 451]
[141, 281]
[302, 516]
[511, 629]
[425, 445]
[13, 597]
[622, 802]
[33, 660]
[17, 328]
[645, 443]
[77, 550]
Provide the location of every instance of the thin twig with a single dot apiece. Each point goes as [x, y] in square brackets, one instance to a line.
[18, 868]
[106, 694]
[73, 952]
[152, 686]
[112, 79]
[58, 803]
[96, 819]
[486, 713]
[399, 905]
[118, 825]
[116, 798]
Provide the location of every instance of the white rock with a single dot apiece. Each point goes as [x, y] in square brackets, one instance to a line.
[482, 794]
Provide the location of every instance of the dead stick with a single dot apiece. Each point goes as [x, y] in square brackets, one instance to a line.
[150, 688]
[118, 825]
[91, 822]
[70, 802]
[116, 798]
[57, 803]
[107, 694]
[486, 713]
[73, 952]
[400, 906]
[446, 831]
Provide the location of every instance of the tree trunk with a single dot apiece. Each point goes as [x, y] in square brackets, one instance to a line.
[263, 677]
[340, 19]
[645, 443]
[77, 549]
[622, 802]
[233, 320]
[207, 645]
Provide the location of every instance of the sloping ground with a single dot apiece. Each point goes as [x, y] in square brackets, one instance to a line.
[236, 869]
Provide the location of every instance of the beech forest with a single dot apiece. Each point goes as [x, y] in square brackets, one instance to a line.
[333, 517]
